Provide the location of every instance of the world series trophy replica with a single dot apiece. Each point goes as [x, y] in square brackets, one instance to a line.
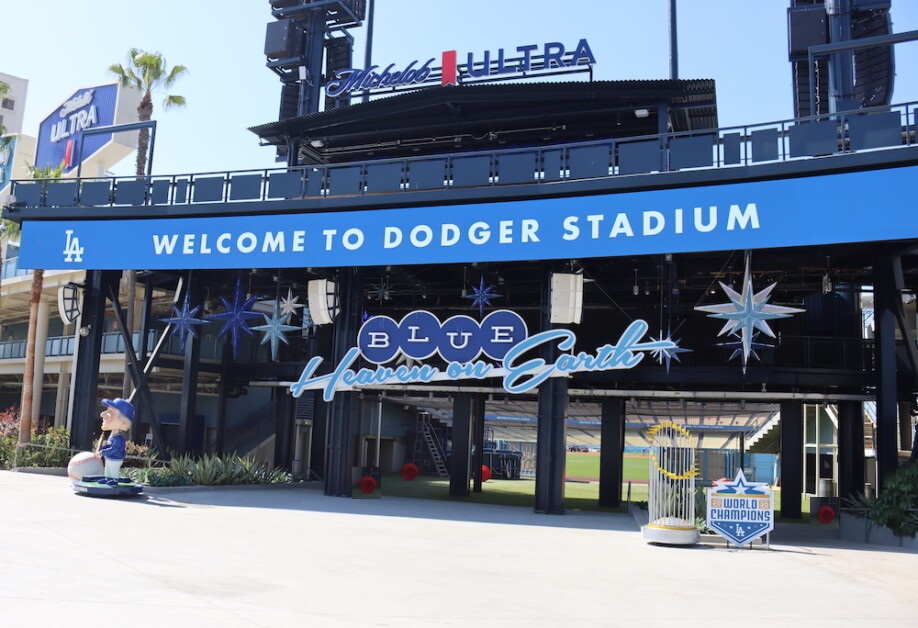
[98, 472]
[671, 505]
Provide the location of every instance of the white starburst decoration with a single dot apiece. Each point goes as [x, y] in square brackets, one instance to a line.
[291, 304]
[747, 312]
[668, 349]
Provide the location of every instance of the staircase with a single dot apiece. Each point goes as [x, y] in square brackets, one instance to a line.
[427, 446]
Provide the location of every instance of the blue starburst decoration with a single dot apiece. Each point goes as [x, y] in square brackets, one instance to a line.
[737, 346]
[183, 321]
[747, 312]
[379, 291]
[275, 329]
[481, 296]
[667, 350]
[236, 316]
[308, 323]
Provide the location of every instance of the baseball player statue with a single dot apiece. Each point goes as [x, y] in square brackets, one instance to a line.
[117, 417]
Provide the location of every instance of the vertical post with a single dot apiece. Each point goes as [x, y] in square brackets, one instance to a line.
[478, 432]
[841, 62]
[550, 449]
[85, 413]
[791, 459]
[460, 453]
[368, 52]
[191, 435]
[339, 444]
[850, 449]
[885, 293]
[611, 455]
[673, 43]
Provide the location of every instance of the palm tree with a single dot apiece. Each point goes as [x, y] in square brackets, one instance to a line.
[4, 141]
[28, 372]
[146, 72]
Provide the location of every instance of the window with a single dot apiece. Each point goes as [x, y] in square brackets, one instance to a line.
[8, 103]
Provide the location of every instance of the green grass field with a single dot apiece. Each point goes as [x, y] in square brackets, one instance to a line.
[579, 494]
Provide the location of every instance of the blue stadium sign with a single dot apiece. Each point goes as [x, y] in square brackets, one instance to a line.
[762, 214]
[741, 511]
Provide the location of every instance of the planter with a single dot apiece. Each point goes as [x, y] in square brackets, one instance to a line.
[862, 530]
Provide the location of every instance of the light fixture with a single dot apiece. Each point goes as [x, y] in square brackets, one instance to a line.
[641, 113]
[636, 290]
[826, 280]
[316, 143]
[84, 330]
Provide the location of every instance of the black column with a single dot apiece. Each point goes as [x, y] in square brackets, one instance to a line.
[478, 431]
[461, 450]
[191, 433]
[611, 455]
[850, 449]
[85, 417]
[283, 428]
[339, 445]
[791, 459]
[550, 449]
[884, 293]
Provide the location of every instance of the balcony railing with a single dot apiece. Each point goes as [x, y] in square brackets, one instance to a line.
[112, 343]
[788, 140]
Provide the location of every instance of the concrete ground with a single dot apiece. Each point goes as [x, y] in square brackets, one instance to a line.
[282, 556]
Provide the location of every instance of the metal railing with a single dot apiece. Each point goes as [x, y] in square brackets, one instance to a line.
[112, 343]
[786, 140]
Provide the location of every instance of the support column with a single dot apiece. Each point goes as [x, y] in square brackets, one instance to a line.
[611, 455]
[461, 450]
[284, 428]
[478, 438]
[41, 340]
[340, 441]
[884, 294]
[191, 434]
[550, 448]
[791, 459]
[85, 413]
[62, 398]
[850, 449]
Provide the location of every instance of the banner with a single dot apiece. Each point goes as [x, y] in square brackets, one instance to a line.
[851, 207]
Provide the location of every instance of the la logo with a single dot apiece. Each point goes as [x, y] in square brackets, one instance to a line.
[73, 252]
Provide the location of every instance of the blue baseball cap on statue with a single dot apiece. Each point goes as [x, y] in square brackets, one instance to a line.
[121, 405]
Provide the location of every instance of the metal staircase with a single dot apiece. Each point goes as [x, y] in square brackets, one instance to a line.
[427, 446]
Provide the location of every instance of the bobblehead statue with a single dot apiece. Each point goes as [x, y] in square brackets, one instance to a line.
[85, 467]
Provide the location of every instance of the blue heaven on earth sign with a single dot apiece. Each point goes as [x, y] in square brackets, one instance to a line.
[739, 510]
[498, 346]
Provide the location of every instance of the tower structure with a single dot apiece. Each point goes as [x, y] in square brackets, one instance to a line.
[306, 43]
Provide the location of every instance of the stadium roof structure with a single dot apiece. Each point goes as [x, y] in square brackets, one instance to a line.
[494, 116]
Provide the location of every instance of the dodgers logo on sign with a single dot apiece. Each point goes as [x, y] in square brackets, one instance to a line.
[741, 511]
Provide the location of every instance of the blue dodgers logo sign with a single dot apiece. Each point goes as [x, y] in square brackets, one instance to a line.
[498, 346]
[741, 511]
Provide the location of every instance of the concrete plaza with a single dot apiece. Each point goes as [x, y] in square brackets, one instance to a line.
[291, 556]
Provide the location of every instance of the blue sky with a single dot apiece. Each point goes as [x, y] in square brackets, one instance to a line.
[61, 46]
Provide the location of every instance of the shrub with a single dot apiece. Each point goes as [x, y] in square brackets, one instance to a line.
[209, 470]
[47, 448]
[897, 505]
